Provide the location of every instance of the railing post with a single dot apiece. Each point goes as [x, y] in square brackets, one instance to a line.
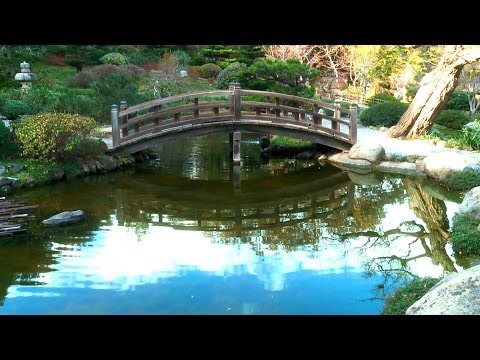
[123, 106]
[336, 115]
[353, 123]
[115, 128]
[237, 100]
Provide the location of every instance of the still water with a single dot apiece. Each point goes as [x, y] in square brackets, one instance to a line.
[189, 234]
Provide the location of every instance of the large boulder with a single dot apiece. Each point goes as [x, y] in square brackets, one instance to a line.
[394, 167]
[344, 160]
[108, 163]
[470, 205]
[439, 165]
[65, 218]
[58, 173]
[366, 151]
[2, 169]
[456, 294]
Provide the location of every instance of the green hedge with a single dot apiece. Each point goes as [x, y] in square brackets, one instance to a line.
[384, 114]
[452, 119]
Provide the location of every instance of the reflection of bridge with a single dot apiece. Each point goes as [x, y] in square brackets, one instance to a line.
[235, 110]
[258, 206]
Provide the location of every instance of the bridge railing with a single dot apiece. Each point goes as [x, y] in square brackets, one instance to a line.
[167, 114]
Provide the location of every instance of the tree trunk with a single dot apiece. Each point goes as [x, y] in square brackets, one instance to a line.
[434, 92]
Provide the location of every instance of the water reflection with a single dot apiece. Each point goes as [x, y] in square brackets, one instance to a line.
[278, 239]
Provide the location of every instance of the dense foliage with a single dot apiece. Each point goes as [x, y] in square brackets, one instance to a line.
[12, 109]
[232, 73]
[458, 101]
[407, 295]
[114, 58]
[49, 136]
[209, 70]
[383, 114]
[464, 236]
[462, 180]
[379, 97]
[453, 119]
[287, 77]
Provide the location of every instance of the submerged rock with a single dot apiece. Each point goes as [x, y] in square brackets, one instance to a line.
[65, 218]
[456, 294]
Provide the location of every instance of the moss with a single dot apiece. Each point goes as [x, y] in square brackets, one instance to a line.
[407, 295]
[462, 180]
[290, 142]
[465, 237]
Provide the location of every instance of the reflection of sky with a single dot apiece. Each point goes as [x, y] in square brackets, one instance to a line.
[117, 260]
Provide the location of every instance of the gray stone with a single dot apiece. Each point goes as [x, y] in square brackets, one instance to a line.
[58, 173]
[409, 227]
[99, 166]
[372, 178]
[5, 180]
[65, 218]
[92, 166]
[470, 205]
[439, 165]
[471, 168]
[183, 73]
[406, 168]
[73, 173]
[15, 168]
[366, 151]
[306, 155]
[108, 163]
[2, 169]
[344, 160]
[456, 294]
[5, 189]
[86, 169]
[15, 184]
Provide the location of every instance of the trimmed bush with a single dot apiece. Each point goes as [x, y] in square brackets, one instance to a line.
[194, 72]
[231, 73]
[384, 114]
[380, 97]
[86, 77]
[14, 108]
[114, 58]
[458, 101]
[87, 149]
[209, 70]
[464, 236]
[407, 295]
[453, 119]
[134, 71]
[48, 136]
[462, 180]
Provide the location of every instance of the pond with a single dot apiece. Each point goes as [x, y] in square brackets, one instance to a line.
[188, 233]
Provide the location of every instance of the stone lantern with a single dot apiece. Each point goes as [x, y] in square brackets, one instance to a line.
[25, 76]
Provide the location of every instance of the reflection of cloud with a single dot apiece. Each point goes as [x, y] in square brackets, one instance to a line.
[116, 259]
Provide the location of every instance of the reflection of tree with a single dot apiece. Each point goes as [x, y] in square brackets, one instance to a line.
[434, 213]
[432, 239]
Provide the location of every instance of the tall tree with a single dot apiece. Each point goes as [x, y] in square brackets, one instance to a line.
[470, 83]
[434, 92]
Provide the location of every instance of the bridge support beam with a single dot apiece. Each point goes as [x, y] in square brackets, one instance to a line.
[235, 139]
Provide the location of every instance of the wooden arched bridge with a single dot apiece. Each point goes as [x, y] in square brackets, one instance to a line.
[234, 111]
